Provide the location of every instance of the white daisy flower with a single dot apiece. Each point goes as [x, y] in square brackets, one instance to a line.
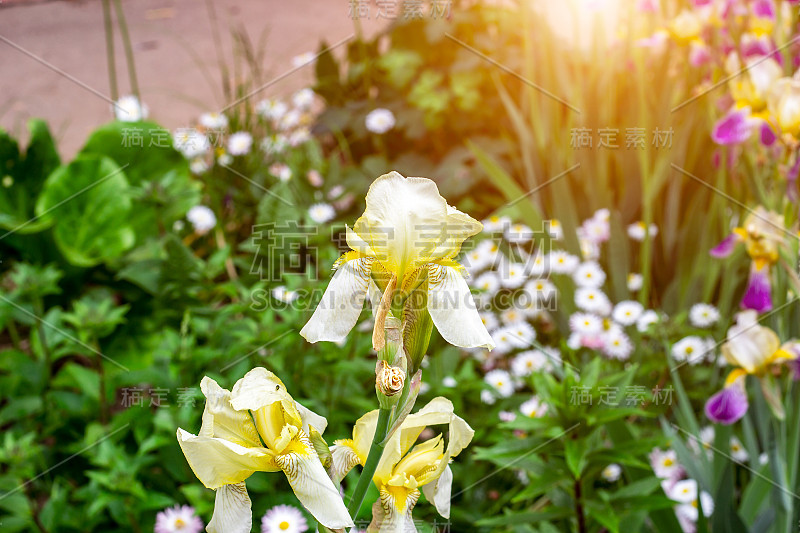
[617, 344]
[521, 334]
[321, 213]
[518, 234]
[763, 459]
[130, 109]
[502, 340]
[665, 463]
[611, 473]
[487, 282]
[541, 290]
[647, 319]
[627, 312]
[290, 120]
[496, 224]
[512, 275]
[190, 142]
[272, 109]
[684, 491]
[536, 265]
[533, 408]
[703, 315]
[638, 231]
[225, 159]
[449, 381]
[178, 519]
[574, 341]
[562, 262]
[303, 99]
[689, 512]
[635, 281]
[283, 294]
[239, 143]
[214, 121]
[555, 229]
[284, 519]
[595, 229]
[281, 171]
[489, 320]
[501, 381]
[487, 397]
[335, 192]
[589, 274]
[511, 316]
[592, 300]
[526, 363]
[198, 165]
[691, 349]
[379, 121]
[737, 450]
[585, 324]
[480, 257]
[202, 219]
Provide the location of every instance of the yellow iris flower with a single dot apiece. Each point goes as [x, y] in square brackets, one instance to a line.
[258, 427]
[406, 468]
[408, 236]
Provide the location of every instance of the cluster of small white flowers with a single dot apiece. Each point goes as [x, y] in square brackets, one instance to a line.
[684, 491]
[593, 232]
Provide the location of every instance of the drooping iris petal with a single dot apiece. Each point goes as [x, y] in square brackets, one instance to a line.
[342, 302]
[392, 512]
[727, 406]
[733, 128]
[768, 136]
[232, 510]
[758, 295]
[312, 486]
[438, 492]
[750, 346]
[725, 248]
[453, 309]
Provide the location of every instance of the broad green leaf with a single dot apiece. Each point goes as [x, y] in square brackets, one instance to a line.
[88, 202]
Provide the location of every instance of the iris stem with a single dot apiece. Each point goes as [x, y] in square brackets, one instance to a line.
[374, 456]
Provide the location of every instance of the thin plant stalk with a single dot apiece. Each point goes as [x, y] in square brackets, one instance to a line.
[126, 43]
[112, 66]
[373, 458]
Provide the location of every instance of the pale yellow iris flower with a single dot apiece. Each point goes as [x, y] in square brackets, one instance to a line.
[404, 468]
[752, 348]
[408, 236]
[258, 427]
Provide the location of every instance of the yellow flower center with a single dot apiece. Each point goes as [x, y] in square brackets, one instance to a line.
[283, 525]
[179, 523]
[667, 461]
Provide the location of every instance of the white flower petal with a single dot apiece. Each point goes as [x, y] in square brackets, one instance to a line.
[341, 305]
[453, 310]
[344, 458]
[438, 492]
[232, 512]
[312, 486]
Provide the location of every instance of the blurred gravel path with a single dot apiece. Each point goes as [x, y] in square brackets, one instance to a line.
[166, 34]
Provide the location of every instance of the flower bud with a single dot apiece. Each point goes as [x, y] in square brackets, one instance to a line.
[389, 380]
